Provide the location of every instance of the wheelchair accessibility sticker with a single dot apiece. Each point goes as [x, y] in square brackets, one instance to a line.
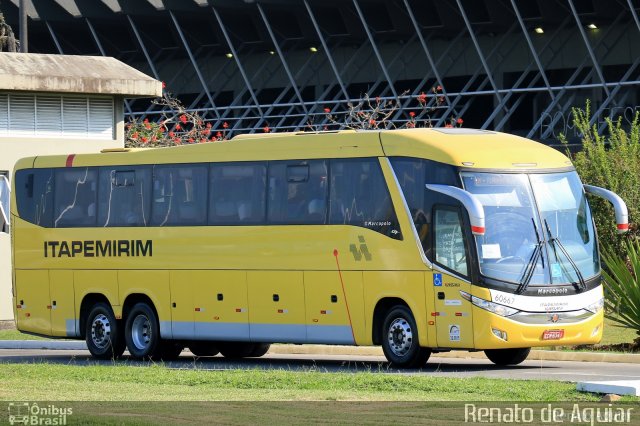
[437, 280]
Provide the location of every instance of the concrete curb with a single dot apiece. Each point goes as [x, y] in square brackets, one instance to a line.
[76, 345]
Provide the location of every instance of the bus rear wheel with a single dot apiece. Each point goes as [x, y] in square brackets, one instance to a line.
[169, 350]
[235, 350]
[400, 342]
[260, 349]
[102, 333]
[507, 356]
[204, 349]
[142, 332]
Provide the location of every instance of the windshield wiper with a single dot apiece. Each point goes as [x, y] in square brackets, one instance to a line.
[527, 275]
[555, 241]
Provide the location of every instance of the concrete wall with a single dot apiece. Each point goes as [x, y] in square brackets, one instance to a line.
[12, 149]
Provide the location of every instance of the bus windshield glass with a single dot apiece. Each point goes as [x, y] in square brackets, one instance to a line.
[526, 213]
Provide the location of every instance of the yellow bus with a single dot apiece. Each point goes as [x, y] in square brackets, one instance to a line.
[418, 240]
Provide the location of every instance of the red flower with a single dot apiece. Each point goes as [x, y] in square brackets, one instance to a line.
[147, 126]
[412, 114]
[422, 98]
[190, 140]
[144, 139]
[225, 125]
[372, 121]
[439, 88]
[164, 85]
[208, 125]
[459, 121]
[266, 129]
[171, 134]
[411, 125]
[134, 136]
[183, 119]
[146, 120]
[218, 135]
[178, 127]
[327, 110]
[448, 125]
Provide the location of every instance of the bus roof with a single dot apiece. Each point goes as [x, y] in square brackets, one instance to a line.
[476, 149]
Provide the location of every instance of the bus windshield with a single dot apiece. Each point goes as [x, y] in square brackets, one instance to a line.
[525, 213]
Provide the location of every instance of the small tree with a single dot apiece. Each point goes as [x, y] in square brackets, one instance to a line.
[8, 41]
[610, 161]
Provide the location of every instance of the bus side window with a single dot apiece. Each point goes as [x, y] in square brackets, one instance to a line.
[359, 197]
[75, 197]
[237, 193]
[449, 245]
[297, 192]
[180, 195]
[34, 196]
[124, 196]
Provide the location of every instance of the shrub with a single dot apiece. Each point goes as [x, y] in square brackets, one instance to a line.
[622, 285]
[611, 161]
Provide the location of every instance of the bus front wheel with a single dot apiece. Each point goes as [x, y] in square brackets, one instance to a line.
[142, 332]
[400, 342]
[507, 356]
[102, 333]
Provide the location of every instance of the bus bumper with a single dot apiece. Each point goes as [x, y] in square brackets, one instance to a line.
[492, 331]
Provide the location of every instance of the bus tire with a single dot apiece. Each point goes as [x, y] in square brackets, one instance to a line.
[204, 349]
[102, 333]
[260, 349]
[400, 342]
[235, 350]
[507, 356]
[169, 350]
[142, 332]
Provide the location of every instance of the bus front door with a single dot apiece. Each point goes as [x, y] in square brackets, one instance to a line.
[453, 314]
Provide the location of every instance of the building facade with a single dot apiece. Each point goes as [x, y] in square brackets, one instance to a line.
[518, 66]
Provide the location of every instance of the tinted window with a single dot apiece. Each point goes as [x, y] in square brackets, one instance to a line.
[75, 197]
[34, 195]
[237, 193]
[179, 195]
[449, 247]
[124, 196]
[413, 174]
[359, 196]
[298, 192]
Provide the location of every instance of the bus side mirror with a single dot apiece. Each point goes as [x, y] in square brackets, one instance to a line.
[622, 214]
[469, 201]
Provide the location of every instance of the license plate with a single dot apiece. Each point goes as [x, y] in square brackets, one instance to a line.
[552, 334]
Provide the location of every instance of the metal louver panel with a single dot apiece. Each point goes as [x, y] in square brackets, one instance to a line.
[57, 116]
[75, 116]
[101, 118]
[22, 114]
[48, 116]
[4, 114]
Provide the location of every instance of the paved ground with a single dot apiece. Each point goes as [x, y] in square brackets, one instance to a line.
[437, 366]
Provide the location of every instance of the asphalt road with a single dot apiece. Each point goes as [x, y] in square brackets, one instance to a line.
[437, 367]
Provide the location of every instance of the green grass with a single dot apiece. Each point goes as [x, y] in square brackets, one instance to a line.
[119, 382]
[13, 334]
[614, 334]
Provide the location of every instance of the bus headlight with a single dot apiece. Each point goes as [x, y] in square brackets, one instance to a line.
[503, 311]
[595, 307]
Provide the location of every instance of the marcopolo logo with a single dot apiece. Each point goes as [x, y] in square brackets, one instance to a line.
[31, 413]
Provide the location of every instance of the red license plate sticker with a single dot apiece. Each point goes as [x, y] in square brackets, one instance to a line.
[552, 334]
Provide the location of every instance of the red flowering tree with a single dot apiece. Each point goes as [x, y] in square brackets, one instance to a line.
[377, 113]
[179, 126]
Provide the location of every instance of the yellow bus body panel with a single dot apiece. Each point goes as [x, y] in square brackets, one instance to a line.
[277, 283]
